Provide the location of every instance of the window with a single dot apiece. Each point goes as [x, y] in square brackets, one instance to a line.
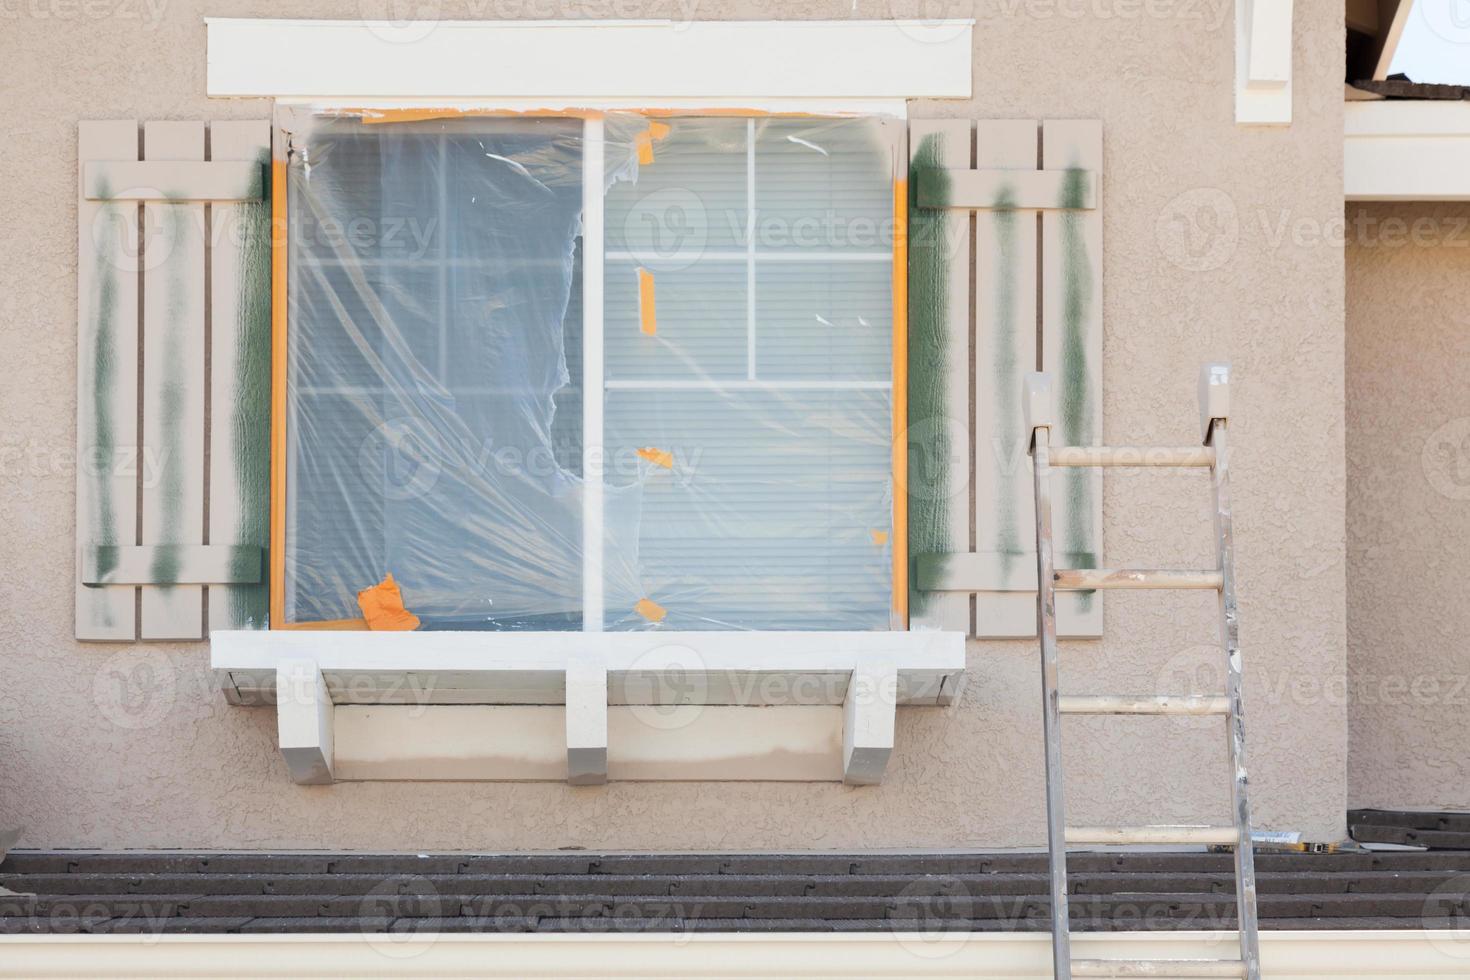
[602, 373]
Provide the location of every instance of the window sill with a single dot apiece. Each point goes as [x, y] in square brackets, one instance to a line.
[403, 675]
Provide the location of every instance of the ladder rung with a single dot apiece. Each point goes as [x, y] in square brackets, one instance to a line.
[1082, 579]
[1152, 835]
[1132, 456]
[1168, 704]
[1158, 968]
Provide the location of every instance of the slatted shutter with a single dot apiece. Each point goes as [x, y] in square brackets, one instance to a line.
[173, 378]
[1019, 291]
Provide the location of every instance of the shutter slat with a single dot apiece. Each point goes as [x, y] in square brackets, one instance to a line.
[1071, 318]
[939, 373]
[239, 416]
[107, 381]
[1005, 349]
[173, 386]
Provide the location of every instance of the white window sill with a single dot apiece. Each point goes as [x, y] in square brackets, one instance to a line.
[308, 673]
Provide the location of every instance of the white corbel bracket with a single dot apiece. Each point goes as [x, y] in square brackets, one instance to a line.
[1263, 62]
[867, 723]
[304, 721]
[586, 723]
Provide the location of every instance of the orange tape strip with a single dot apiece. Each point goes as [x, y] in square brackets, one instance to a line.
[326, 624]
[658, 457]
[278, 386]
[644, 141]
[650, 610]
[647, 314]
[900, 394]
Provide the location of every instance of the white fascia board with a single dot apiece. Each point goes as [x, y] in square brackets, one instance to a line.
[1362, 954]
[1406, 151]
[639, 60]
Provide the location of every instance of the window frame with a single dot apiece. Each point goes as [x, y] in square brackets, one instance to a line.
[594, 263]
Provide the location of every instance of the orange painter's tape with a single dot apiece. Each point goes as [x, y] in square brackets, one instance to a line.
[880, 538]
[658, 457]
[382, 607]
[650, 610]
[647, 315]
[645, 140]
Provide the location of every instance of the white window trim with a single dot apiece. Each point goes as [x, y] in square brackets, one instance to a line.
[829, 68]
[576, 59]
[594, 262]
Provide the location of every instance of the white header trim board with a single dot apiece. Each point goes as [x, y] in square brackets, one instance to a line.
[1406, 151]
[560, 60]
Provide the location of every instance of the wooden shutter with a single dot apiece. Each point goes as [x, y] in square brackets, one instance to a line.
[173, 378]
[1017, 290]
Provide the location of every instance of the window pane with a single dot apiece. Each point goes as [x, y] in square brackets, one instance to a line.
[434, 427]
[753, 416]
[766, 517]
[830, 320]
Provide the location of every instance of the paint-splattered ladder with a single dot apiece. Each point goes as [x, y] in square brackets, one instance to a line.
[1214, 413]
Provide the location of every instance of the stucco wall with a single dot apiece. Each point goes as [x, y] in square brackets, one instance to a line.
[1197, 266]
[1408, 505]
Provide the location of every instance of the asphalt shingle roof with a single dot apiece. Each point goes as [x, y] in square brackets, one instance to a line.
[240, 892]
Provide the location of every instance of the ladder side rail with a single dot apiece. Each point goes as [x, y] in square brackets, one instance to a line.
[1245, 873]
[1046, 630]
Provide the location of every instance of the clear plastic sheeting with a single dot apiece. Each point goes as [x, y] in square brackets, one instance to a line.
[439, 349]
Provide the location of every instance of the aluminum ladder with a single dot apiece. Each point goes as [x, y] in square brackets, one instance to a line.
[1213, 453]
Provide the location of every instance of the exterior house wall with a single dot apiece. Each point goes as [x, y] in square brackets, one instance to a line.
[132, 746]
[1408, 504]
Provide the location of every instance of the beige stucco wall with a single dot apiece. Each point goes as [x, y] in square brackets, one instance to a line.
[1408, 457]
[1195, 269]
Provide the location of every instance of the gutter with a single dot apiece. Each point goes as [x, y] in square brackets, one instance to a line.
[1284, 954]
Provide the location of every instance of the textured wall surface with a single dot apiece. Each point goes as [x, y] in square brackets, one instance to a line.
[1408, 505]
[1214, 250]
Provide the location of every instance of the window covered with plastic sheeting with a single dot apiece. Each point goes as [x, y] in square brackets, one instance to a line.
[613, 372]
